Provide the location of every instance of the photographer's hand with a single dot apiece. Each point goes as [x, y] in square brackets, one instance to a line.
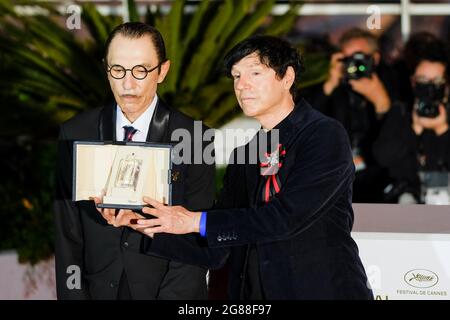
[334, 73]
[416, 125]
[374, 91]
[438, 124]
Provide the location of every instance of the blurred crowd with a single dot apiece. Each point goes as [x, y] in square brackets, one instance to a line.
[396, 116]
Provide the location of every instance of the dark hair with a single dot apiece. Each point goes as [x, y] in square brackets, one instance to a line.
[135, 30]
[274, 52]
[357, 33]
[425, 46]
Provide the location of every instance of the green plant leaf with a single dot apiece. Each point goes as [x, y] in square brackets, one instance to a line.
[133, 13]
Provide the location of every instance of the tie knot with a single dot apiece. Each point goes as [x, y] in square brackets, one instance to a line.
[129, 133]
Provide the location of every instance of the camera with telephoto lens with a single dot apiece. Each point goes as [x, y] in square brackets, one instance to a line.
[428, 97]
[357, 66]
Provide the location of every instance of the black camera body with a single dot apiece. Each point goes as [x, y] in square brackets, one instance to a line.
[357, 66]
[428, 97]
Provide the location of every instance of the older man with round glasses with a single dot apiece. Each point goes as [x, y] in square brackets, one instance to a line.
[110, 259]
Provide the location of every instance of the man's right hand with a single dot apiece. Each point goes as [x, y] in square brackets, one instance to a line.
[334, 74]
[108, 214]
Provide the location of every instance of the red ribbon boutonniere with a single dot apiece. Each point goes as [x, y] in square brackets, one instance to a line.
[269, 170]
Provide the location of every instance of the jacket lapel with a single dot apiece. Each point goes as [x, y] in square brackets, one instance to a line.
[107, 125]
[158, 130]
[251, 171]
[252, 179]
[288, 133]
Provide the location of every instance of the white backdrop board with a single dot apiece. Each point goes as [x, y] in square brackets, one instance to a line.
[405, 250]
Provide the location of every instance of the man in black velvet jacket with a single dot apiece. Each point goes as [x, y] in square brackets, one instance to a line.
[284, 221]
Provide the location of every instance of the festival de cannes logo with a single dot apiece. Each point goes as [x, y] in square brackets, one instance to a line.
[421, 278]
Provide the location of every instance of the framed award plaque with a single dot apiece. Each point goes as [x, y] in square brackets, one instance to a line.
[122, 174]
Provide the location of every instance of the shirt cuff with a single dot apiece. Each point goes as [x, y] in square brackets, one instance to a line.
[203, 224]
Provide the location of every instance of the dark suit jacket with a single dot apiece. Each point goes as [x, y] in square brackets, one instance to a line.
[302, 235]
[101, 251]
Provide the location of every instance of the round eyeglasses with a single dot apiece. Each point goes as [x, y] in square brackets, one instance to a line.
[139, 72]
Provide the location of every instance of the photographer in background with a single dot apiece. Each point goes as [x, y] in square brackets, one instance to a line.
[415, 145]
[358, 93]
[417, 45]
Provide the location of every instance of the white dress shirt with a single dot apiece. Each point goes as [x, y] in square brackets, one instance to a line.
[141, 124]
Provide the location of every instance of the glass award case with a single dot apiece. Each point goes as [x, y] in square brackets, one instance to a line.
[122, 174]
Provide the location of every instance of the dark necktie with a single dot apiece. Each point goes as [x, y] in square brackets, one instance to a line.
[129, 133]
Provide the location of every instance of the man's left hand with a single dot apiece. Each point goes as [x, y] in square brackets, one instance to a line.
[123, 218]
